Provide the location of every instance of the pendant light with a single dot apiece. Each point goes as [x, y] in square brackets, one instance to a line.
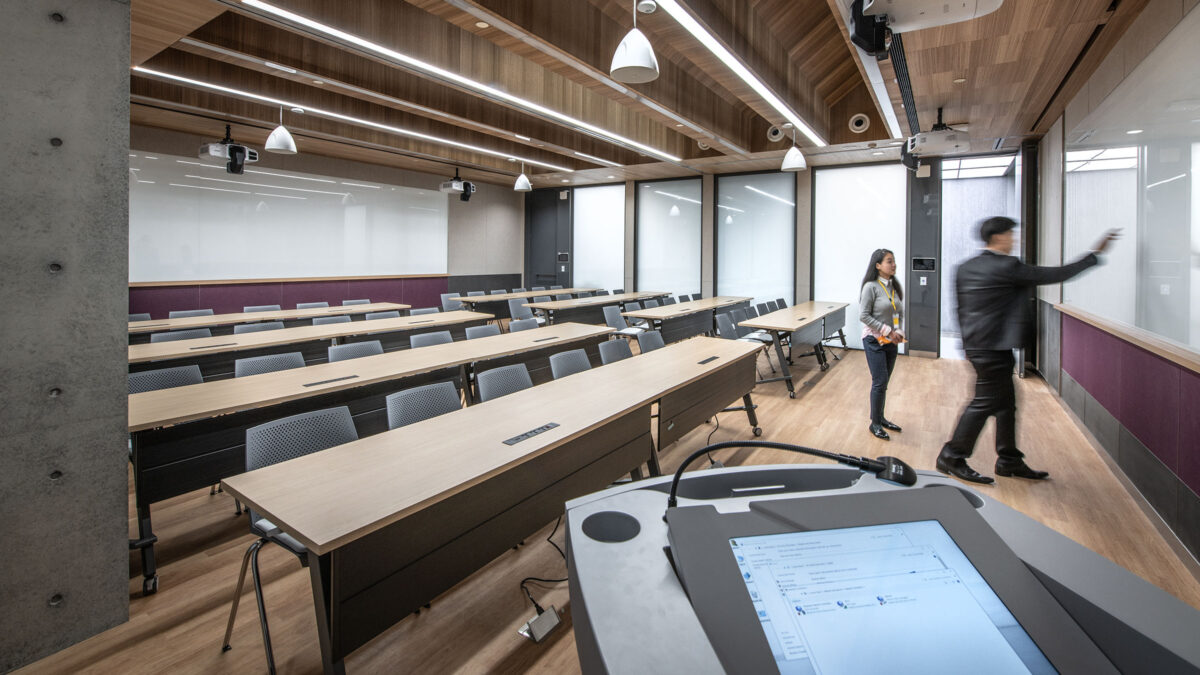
[280, 141]
[634, 61]
[674, 210]
[522, 184]
[794, 159]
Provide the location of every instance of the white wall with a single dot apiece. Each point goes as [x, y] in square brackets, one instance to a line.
[599, 236]
[669, 236]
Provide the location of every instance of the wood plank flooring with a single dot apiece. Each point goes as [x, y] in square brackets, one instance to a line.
[472, 628]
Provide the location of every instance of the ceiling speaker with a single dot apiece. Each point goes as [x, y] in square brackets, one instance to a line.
[774, 134]
[702, 145]
[860, 123]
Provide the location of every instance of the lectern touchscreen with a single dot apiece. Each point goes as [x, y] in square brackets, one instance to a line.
[817, 594]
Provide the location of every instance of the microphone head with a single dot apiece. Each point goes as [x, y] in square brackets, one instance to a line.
[896, 471]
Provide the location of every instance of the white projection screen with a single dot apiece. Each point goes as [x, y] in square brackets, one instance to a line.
[189, 220]
[856, 210]
[599, 237]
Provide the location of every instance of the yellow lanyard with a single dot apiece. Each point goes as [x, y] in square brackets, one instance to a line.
[892, 298]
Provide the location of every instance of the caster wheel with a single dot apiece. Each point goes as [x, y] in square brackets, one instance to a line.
[824, 367]
[150, 585]
[791, 394]
[758, 431]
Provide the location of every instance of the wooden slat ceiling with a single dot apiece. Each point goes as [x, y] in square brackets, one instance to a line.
[697, 110]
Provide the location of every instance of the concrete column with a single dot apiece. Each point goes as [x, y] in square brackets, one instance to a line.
[64, 273]
[804, 230]
[708, 262]
[630, 234]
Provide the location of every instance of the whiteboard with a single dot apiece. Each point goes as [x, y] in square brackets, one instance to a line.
[189, 220]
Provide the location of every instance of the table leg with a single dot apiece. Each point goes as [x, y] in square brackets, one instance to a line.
[145, 542]
[319, 572]
[786, 377]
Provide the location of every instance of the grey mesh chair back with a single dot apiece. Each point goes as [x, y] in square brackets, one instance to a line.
[472, 294]
[174, 335]
[261, 308]
[773, 306]
[764, 308]
[440, 337]
[538, 288]
[618, 291]
[725, 327]
[424, 310]
[697, 296]
[562, 296]
[738, 315]
[555, 288]
[354, 350]
[361, 301]
[613, 318]
[498, 291]
[449, 305]
[668, 300]
[570, 362]
[257, 327]
[518, 290]
[684, 298]
[649, 304]
[298, 435]
[584, 294]
[323, 320]
[485, 330]
[518, 325]
[185, 313]
[502, 381]
[518, 310]
[421, 403]
[633, 306]
[614, 350]
[602, 292]
[257, 365]
[165, 378]
[311, 305]
[143, 316]
[393, 314]
[781, 302]
[650, 340]
[542, 298]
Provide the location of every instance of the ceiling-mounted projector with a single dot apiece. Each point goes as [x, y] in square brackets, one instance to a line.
[457, 186]
[234, 154]
[940, 140]
[905, 16]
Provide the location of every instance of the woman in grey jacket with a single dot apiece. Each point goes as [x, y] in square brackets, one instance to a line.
[881, 310]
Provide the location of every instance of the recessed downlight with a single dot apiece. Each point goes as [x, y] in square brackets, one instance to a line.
[482, 24]
[1134, 132]
[960, 80]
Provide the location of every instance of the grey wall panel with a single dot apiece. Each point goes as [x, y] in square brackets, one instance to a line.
[64, 196]
[922, 294]
[1049, 345]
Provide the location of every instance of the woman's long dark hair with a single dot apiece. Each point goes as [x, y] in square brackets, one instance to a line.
[873, 274]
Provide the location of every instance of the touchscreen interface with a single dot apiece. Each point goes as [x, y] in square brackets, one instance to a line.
[890, 598]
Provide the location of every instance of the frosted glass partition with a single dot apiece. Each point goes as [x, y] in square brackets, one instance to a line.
[598, 238]
[668, 236]
[190, 220]
[856, 210]
[756, 236]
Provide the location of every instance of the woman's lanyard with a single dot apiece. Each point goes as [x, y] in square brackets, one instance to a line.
[892, 298]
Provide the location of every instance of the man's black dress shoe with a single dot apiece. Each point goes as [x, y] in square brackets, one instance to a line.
[890, 425]
[1020, 470]
[959, 469]
[878, 432]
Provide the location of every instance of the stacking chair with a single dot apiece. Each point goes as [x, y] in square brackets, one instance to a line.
[541, 298]
[650, 340]
[668, 300]
[773, 306]
[684, 298]
[393, 314]
[751, 312]
[650, 304]
[764, 308]
[475, 294]
[421, 403]
[363, 301]
[257, 327]
[174, 335]
[311, 305]
[486, 330]
[633, 307]
[697, 296]
[502, 381]
[584, 294]
[538, 288]
[518, 290]
[449, 305]
[354, 350]
[424, 310]
[440, 337]
[602, 292]
[498, 291]
[518, 311]
[614, 350]
[260, 308]
[518, 325]
[563, 296]
[143, 316]
[257, 365]
[570, 362]
[322, 320]
[613, 318]
[271, 443]
[556, 288]
[762, 337]
[164, 378]
[185, 313]
[781, 303]
[618, 291]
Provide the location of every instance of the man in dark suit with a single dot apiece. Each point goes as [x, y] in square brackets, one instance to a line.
[993, 309]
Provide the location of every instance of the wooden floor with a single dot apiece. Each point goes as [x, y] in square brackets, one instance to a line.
[472, 628]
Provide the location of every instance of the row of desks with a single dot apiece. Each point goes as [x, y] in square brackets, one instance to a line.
[393, 520]
[222, 324]
[498, 303]
[808, 323]
[686, 319]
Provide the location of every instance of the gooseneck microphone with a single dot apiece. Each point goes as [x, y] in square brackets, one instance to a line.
[885, 468]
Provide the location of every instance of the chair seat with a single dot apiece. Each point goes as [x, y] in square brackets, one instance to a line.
[632, 331]
[759, 335]
[265, 528]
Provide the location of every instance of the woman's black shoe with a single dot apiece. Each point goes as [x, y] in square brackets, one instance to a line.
[878, 432]
[890, 425]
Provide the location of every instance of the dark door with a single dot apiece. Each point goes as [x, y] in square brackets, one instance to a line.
[548, 238]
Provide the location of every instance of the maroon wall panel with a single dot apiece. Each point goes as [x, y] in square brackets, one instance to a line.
[231, 298]
[1189, 430]
[1106, 356]
[1074, 349]
[332, 292]
[161, 300]
[1150, 402]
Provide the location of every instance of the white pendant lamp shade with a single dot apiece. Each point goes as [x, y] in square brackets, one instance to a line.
[280, 141]
[794, 160]
[522, 184]
[674, 210]
[634, 62]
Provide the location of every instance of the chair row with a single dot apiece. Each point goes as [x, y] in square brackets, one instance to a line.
[184, 313]
[191, 333]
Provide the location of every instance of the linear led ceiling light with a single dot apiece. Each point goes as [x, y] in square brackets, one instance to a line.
[345, 118]
[718, 50]
[465, 82]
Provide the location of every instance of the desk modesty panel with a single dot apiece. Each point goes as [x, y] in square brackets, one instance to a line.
[222, 324]
[498, 304]
[687, 319]
[589, 310]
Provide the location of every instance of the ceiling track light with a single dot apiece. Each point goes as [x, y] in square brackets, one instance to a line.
[522, 184]
[634, 61]
[280, 141]
[455, 79]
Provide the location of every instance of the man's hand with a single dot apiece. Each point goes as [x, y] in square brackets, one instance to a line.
[1110, 236]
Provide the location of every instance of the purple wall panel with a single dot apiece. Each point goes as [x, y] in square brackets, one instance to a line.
[332, 292]
[161, 300]
[425, 292]
[1105, 357]
[231, 298]
[1074, 349]
[1150, 402]
[375, 290]
[1189, 431]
